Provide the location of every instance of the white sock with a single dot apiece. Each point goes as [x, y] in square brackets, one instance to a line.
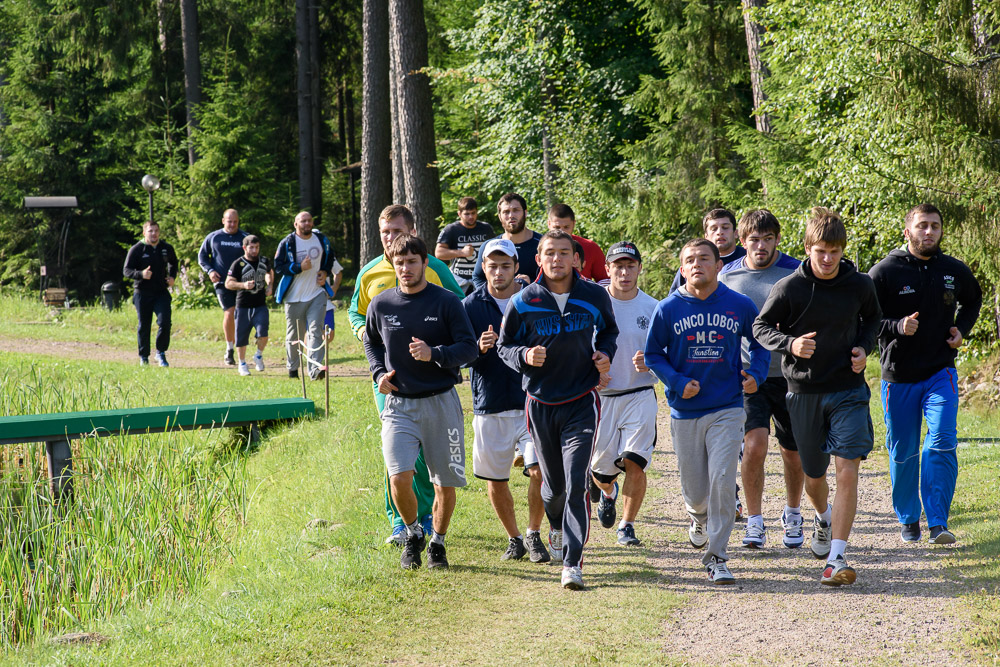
[531, 532]
[230, 344]
[414, 529]
[438, 538]
[837, 548]
[827, 515]
[791, 510]
[624, 523]
[519, 537]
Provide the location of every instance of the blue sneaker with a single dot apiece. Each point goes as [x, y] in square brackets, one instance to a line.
[606, 511]
[161, 359]
[427, 523]
[398, 536]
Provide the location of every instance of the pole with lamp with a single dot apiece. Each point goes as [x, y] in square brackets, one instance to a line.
[150, 184]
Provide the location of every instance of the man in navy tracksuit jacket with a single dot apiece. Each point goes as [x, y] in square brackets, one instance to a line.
[930, 302]
[560, 334]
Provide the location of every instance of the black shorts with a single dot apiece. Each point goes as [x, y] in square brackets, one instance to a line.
[226, 297]
[836, 424]
[251, 318]
[769, 402]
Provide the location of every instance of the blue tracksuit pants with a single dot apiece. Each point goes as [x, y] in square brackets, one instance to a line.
[935, 466]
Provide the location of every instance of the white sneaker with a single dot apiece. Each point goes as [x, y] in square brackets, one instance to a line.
[755, 535]
[696, 535]
[572, 578]
[718, 572]
[555, 545]
[792, 525]
[258, 361]
[822, 535]
[244, 369]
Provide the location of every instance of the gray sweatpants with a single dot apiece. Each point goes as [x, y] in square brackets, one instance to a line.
[305, 318]
[708, 449]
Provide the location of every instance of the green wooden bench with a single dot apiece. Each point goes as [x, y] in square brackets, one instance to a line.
[58, 429]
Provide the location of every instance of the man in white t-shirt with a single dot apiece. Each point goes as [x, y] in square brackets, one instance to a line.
[626, 433]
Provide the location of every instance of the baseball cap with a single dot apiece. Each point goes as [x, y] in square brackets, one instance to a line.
[623, 249]
[499, 245]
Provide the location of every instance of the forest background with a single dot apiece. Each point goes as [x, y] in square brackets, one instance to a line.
[641, 114]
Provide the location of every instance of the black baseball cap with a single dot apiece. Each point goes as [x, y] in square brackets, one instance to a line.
[623, 249]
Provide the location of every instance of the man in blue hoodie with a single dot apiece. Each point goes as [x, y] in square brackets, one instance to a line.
[694, 347]
[218, 251]
[560, 334]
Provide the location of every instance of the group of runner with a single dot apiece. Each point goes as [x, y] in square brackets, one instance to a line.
[564, 352]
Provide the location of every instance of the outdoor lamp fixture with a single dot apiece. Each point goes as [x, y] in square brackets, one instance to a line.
[150, 184]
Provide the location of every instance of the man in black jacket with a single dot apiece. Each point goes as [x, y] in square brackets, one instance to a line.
[930, 302]
[152, 264]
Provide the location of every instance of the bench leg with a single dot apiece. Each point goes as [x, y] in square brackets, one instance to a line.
[59, 456]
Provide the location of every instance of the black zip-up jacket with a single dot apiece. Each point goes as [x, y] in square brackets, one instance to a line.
[844, 313]
[495, 386]
[161, 258]
[944, 294]
[570, 338]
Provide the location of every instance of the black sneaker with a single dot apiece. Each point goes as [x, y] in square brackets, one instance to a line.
[941, 535]
[230, 359]
[294, 374]
[910, 532]
[537, 553]
[515, 549]
[627, 538]
[412, 548]
[436, 557]
[320, 375]
[606, 511]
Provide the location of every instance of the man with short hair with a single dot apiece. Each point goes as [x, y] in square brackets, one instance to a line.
[719, 226]
[498, 421]
[512, 211]
[694, 347]
[459, 242]
[152, 264]
[218, 252]
[754, 276]
[374, 278]
[559, 333]
[251, 277]
[562, 217]
[417, 336]
[303, 261]
[930, 302]
[823, 319]
[626, 433]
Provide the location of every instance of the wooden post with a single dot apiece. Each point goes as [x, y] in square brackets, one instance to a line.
[303, 369]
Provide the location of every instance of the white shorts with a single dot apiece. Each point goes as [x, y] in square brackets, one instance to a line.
[627, 430]
[496, 437]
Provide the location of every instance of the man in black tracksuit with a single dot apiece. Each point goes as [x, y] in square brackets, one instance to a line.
[930, 302]
[152, 264]
[560, 334]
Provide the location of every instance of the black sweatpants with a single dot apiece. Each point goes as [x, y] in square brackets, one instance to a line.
[146, 304]
[564, 442]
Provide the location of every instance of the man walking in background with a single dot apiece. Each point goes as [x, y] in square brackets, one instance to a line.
[218, 252]
[512, 211]
[460, 241]
[930, 302]
[152, 264]
[251, 277]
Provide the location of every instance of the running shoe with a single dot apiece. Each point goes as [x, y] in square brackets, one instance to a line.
[398, 537]
[696, 535]
[413, 546]
[515, 549]
[294, 374]
[436, 557]
[838, 573]
[755, 535]
[572, 578]
[258, 361]
[822, 534]
[718, 572]
[230, 359]
[910, 532]
[555, 544]
[792, 526]
[606, 511]
[537, 553]
[143, 361]
[161, 359]
[627, 538]
[243, 368]
[941, 535]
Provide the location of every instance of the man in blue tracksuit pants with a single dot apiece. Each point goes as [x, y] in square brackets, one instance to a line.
[560, 334]
[930, 302]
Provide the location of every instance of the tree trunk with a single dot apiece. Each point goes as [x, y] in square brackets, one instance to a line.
[398, 183]
[376, 169]
[304, 94]
[758, 69]
[408, 34]
[314, 109]
[192, 69]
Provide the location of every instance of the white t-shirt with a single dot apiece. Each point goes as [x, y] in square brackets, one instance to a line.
[633, 318]
[561, 300]
[501, 303]
[304, 287]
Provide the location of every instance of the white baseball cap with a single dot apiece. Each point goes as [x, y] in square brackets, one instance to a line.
[499, 245]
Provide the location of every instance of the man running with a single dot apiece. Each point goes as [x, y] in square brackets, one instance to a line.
[512, 211]
[930, 302]
[823, 319]
[562, 217]
[754, 276]
[417, 335]
[719, 226]
[152, 264]
[251, 278]
[374, 278]
[460, 241]
[626, 433]
[694, 347]
[499, 422]
[560, 333]
[218, 252]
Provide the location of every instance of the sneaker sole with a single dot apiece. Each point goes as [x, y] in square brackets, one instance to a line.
[723, 582]
[753, 545]
[630, 543]
[819, 556]
[697, 546]
[546, 559]
[909, 540]
[437, 566]
[573, 586]
[793, 544]
[845, 577]
[944, 538]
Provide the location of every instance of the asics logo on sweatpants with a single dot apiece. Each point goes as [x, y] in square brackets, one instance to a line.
[455, 447]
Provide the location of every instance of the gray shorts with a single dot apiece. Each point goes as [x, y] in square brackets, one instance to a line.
[835, 424]
[436, 425]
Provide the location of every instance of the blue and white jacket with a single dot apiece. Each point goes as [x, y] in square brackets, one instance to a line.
[287, 266]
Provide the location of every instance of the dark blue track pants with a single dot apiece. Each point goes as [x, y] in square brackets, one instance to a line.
[148, 304]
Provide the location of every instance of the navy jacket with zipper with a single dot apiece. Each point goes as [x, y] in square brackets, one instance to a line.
[495, 386]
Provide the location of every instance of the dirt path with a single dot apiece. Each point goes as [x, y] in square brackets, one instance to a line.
[902, 610]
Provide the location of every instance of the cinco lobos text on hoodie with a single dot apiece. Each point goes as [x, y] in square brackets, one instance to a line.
[843, 312]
